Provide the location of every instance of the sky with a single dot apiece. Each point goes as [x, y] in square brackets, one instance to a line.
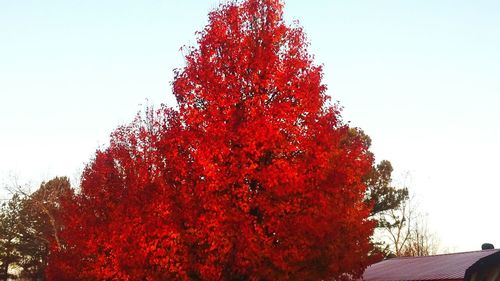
[422, 78]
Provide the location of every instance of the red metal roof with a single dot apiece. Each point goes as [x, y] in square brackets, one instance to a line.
[439, 267]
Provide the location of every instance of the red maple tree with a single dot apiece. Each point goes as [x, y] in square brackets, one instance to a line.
[254, 177]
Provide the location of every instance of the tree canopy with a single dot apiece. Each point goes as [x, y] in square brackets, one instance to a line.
[253, 177]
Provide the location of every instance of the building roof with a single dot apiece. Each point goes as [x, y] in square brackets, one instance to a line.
[438, 267]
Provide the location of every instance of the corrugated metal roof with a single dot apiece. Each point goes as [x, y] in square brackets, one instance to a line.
[439, 267]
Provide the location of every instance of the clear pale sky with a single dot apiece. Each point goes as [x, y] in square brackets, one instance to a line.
[422, 78]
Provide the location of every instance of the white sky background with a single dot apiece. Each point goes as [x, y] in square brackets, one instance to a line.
[422, 78]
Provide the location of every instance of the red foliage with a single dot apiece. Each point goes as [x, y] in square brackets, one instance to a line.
[255, 177]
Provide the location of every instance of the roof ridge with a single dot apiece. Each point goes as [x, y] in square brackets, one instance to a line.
[447, 254]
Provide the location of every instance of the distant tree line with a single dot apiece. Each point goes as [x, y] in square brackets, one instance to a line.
[29, 223]
[402, 228]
